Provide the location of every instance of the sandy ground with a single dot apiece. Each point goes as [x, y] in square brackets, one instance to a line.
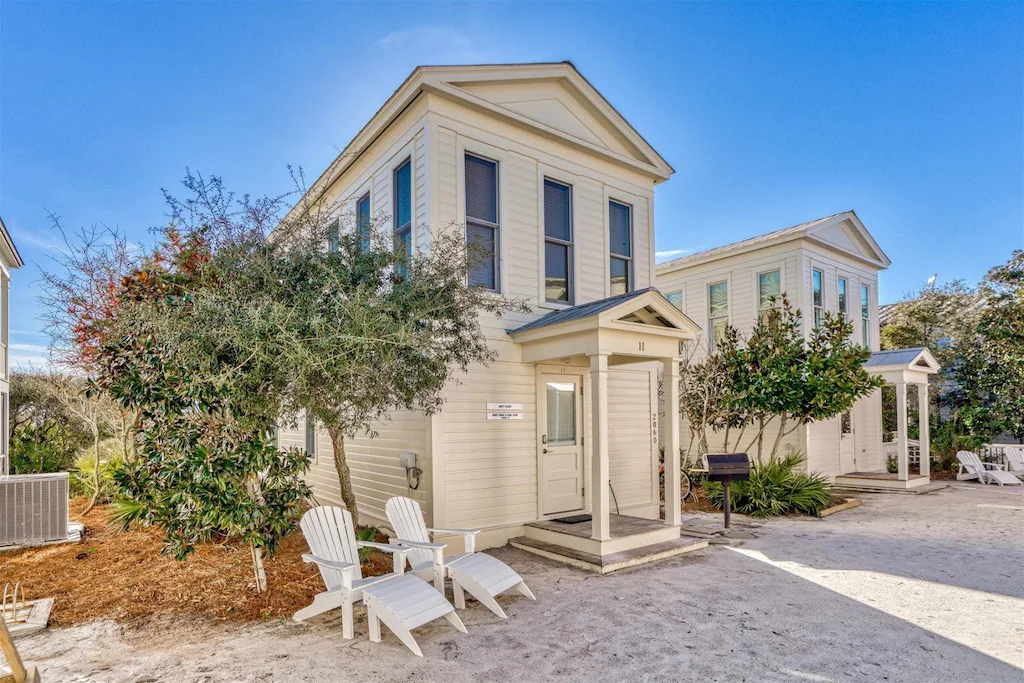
[904, 588]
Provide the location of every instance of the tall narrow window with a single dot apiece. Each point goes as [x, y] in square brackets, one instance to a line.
[558, 284]
[865, 318]
[718, 312]
[482, 221]
[676, 299]
[769, 292]
[620, 226]
[363, 221]
[844, 306]
[311, 435]
[818, 296]
[334, 236]
[403, 207]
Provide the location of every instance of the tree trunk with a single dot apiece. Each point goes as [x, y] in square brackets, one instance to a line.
[760, 437]
[259, 569]
[95, 470]
[778, 437]
[344, 476]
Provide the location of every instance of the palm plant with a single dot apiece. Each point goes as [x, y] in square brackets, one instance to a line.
[776, 486]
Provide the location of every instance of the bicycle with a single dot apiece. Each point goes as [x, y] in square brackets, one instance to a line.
[686, 477]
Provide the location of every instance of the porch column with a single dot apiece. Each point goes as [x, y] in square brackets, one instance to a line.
[599, 448]
[670, 439]
[925, 438]
[902, 459]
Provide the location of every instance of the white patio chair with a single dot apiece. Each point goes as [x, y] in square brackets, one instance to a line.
[482, 575]
[971, 467]
[402, 602]
[1015, 460]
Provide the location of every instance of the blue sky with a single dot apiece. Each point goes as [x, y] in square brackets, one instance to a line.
[771, 113]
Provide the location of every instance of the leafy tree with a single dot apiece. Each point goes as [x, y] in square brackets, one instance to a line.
[44, 436]
[775, 378]
[989, 370]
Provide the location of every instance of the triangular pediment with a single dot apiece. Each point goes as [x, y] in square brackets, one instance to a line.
[848, 234]
[553, 98]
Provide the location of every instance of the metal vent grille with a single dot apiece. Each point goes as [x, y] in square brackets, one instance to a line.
[33, 508]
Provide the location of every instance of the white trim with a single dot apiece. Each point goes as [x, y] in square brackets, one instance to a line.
[727, 279]
[762, 269]
[541, 426]
[545, 172]
[625, 198]
[466, 145]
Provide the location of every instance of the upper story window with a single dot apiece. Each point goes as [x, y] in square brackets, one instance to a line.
[334, 236]
[865, 318]
[403, 207]
[718, 312]
[620, 227]
[818, 296]
[844, 306]
[558, 275]
[363, 221]
[676, 299]
[482, 229]
[769, 292]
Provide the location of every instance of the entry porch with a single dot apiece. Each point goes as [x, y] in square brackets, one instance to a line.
[901, 369]
[587, 341]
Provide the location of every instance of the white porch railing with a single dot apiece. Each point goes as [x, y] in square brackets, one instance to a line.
[994, 452]
[913, 450]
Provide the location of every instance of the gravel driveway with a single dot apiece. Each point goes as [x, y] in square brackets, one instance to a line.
[904, 588]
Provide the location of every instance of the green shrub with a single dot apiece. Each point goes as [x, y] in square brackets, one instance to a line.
[776, 486]
[83, 472]
[369, 535]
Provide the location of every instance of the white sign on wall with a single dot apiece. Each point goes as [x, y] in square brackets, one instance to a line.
[504, 416]
[504, 406]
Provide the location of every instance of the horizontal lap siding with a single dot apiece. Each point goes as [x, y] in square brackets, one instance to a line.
[630, 457]
[373, 463]
[823, 447]
[491, 465]
[590, 243]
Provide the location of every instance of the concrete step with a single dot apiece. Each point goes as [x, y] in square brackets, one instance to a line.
[603, 564]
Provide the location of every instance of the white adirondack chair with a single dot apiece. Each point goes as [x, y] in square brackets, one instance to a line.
[1015, 460]
[971, 467]
[482, 575]
[401, 602]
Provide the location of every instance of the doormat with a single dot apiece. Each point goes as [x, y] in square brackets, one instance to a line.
[575, 519]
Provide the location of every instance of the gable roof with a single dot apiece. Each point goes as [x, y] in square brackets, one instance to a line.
[918, 358]
[465, 84]
[810, 230]
[7, 248]
[665, 313]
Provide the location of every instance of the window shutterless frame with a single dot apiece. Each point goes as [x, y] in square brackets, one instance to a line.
[483, 213]
[718, 312]
[818, 296]
[558, 242]
[865, 317]
[402, 182]
[769, 291]
[844, 302]
[363, 221]
[620, 243]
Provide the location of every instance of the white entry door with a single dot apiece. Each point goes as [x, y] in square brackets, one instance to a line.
[847, 461]
[561, 445]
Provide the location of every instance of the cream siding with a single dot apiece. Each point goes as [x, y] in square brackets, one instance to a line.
[631, 406]
[491, 465]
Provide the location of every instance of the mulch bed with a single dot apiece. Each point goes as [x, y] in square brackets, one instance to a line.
[123, 576]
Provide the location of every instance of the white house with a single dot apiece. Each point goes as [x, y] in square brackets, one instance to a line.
[830, 264]
[10, 260]
[533, 160]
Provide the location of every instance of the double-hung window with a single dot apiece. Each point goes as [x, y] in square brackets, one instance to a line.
[311, 436]
[769, 292]
[403, 208]
[818, 296]
[558, 284]
[334, 236]
[482, 229]
[844, 306]
[865, 318]
[620, 227]
[363, 221]
[718, 312]
[676, 299]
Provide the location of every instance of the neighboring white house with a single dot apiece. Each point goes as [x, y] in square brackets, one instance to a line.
[10, 260]
[828, 264]
[536, 162]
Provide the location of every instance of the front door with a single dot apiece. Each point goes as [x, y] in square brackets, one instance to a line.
[847, 462]
[561, 445]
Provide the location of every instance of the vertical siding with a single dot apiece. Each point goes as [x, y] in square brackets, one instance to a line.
[630, 458]
[491, 465]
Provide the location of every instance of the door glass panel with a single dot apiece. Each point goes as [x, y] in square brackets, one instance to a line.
[561, 397]
[845, 423]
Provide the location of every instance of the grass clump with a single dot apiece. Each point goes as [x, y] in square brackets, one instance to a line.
[776, 486]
